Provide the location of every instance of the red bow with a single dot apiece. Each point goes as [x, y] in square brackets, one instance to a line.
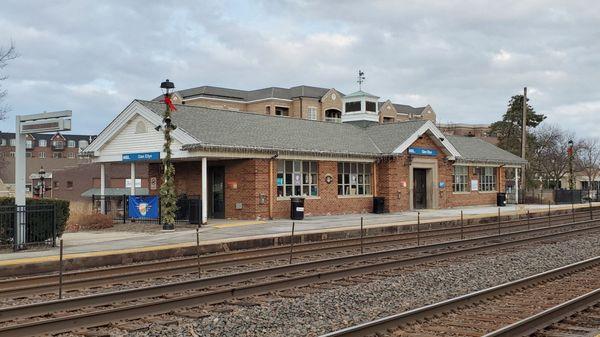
[169, 103]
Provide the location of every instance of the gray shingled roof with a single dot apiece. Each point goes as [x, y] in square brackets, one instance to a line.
[407, 109]
[252, 95]
[114, 191]
[224, 129]
[474, 149]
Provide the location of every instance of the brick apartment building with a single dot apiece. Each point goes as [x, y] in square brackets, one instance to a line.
[481, 131]
[307, 102]
[249, 165]
[50, 151]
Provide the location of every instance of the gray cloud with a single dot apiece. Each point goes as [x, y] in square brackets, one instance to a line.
[464, 58]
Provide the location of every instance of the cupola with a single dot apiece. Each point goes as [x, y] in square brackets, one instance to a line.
[360, 106]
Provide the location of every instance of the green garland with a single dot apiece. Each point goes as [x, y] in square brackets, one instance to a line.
[168, 197]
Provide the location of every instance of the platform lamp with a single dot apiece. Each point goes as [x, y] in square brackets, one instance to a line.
[570, 153]
[41, 174]
[168, 197]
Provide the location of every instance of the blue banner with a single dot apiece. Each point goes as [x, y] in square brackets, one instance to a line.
[422, 152]
[128, 157]
[143, 207]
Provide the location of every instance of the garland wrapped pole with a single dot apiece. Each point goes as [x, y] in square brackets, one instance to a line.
[168, 197]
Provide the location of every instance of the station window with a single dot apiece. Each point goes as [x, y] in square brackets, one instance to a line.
[354, 178]
[487, 178]
[460, 179]
[297, 178]
[370, 106]
[312, 113]
[353, 106]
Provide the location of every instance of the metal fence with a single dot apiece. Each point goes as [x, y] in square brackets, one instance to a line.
[189, 209]
[27, 226]
[568, 196]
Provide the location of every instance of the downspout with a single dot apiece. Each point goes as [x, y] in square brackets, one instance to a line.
[271, 169]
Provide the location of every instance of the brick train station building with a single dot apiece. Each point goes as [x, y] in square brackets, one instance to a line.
[248, 165]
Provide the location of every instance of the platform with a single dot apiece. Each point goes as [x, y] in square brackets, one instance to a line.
[90, 244]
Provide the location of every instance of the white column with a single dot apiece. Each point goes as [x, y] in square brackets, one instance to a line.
[517, 185]
[102, 189]
[20, 180]
[132, 188]
[204, 191]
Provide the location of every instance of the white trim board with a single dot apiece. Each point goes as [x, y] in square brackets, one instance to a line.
[438, 136]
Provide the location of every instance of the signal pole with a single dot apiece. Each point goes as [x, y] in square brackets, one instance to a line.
[524, 137]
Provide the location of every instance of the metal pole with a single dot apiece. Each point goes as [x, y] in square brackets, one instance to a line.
[572, 209]
[60, 271]
[125, 208]
[198, 250]
[292, 242]
[418, 225]
[498, 220]
[54, 225]
[528, 216]
[362, 235]
[591, 213]
[524, 135]
[462, 225]
[548, 213]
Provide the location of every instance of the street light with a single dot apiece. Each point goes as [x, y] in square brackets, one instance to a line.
[168, 197]
[570, 153]
[42, 174]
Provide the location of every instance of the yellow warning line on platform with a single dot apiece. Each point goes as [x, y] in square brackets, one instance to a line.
[239, 224]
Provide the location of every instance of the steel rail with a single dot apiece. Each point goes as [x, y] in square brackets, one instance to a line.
[74, 280]
[548, 317]
[520, 328]
[158, 306]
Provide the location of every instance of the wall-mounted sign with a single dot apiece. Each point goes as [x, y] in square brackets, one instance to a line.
[153, 183]
[279, 181]
[138, 183]
[422, 151]
[128, 157]
[297, 179]
[442, 184]
[328, 178]
[474, 185]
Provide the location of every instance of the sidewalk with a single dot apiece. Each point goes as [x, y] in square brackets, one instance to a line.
[83, 244]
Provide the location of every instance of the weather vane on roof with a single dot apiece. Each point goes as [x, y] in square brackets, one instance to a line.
[361, 79]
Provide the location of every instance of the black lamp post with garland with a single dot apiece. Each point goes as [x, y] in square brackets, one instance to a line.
[168, 197]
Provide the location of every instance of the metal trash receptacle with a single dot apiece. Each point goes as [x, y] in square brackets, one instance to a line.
[297, 209]
[501, 199]
[378, 205]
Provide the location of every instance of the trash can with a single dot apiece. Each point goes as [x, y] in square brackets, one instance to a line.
[501, 199]
[297, 209]
[378, 205]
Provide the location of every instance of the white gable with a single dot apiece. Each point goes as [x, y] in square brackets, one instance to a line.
[133, 131]
[131, 140]
[438, 138]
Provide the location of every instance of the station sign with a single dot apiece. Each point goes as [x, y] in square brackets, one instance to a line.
[422, 151]
[142, 156]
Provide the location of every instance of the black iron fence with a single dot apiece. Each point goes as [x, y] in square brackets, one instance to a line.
[27, 226]
[568, 196]
[189, 209]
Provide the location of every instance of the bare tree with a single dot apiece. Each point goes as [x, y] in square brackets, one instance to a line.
[6, 54]
[549, 158]
[587, 159]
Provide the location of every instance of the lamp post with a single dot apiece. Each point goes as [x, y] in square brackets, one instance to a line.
[168, 198]
[42, 174]
[570, 153]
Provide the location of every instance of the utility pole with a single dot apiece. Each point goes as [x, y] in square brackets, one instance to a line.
[524, 137]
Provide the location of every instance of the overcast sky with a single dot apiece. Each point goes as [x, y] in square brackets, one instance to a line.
[464, 58]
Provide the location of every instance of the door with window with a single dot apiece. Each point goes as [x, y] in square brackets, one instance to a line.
[216, 192]
[419, 188]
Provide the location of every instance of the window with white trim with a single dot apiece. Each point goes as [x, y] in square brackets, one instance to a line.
[42, 155]
[42, 143]
[3, 142]
[312, 113]
[29, 144]
[487, 178]
[71, 143]
[460, 179]
[83, 144]
[13, 142]
[297, 178]
[354, 178]
[71, 155]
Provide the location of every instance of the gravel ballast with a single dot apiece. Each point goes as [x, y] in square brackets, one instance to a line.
[331, 309]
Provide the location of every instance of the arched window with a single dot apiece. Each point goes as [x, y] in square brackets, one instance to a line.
[140, 127]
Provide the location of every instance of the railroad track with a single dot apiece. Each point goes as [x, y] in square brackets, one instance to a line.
[77, 283]
[183, 297]
[520, 308]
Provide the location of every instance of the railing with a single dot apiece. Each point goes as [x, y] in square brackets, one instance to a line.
[333, 119]
[27, 226]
